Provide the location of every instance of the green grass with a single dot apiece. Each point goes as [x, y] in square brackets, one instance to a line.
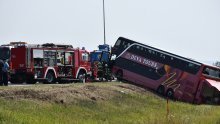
[123, 108]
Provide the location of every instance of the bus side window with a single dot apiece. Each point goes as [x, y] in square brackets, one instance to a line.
[163, 57]
[152, 55]
[123, 43]
[189, 66]
[118, 43]
[192, 66]
[133, 49]
[184, 66]
[205, 71]
[168, 59]
[128, 44]
[176, 63]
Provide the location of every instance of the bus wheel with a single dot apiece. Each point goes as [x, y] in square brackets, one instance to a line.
[50, 78]
[161, 90]
[170, 93]
[119, 75]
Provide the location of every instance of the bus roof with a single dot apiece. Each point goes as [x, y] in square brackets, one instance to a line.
[165, 52]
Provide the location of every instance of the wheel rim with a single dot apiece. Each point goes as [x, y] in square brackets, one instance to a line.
[50, 78]
[82, 78]
[170, 94]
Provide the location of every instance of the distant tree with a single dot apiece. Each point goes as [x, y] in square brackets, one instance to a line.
[217, 63]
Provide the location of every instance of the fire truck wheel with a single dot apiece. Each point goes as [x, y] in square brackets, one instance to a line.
[50, 78]
[101, 79]
[170, 93]
[30, 80]
[12, 80]
[82, 77]
[61, 82]
[15, 79]
[161, 90]
[119, 75]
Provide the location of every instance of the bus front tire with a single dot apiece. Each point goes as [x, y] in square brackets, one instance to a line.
[161, 90]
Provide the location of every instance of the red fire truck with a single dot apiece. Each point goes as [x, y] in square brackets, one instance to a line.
[48, 63]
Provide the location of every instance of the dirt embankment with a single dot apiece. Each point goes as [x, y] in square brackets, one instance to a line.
[70, 92]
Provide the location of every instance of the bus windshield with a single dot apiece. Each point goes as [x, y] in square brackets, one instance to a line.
[4, 53]
[212, 72]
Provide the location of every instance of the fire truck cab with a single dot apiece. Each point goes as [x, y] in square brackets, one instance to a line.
[48, 63]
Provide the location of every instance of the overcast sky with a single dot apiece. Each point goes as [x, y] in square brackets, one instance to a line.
[190, 28]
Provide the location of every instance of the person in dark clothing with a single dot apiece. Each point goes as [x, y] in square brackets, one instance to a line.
[1, 72]
[5, 73]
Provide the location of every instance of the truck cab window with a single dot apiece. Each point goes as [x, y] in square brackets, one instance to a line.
[85, 57]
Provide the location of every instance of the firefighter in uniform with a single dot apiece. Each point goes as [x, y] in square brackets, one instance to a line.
[100, 71]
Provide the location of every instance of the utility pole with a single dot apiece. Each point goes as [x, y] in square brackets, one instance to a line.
[104, 21]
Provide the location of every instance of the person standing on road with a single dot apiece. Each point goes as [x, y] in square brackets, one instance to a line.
[1, 72]
[5, 73]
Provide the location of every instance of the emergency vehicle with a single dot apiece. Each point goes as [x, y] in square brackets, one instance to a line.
[48, 63]
[100, 63]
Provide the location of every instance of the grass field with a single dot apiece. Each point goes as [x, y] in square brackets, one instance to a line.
[97, 103]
